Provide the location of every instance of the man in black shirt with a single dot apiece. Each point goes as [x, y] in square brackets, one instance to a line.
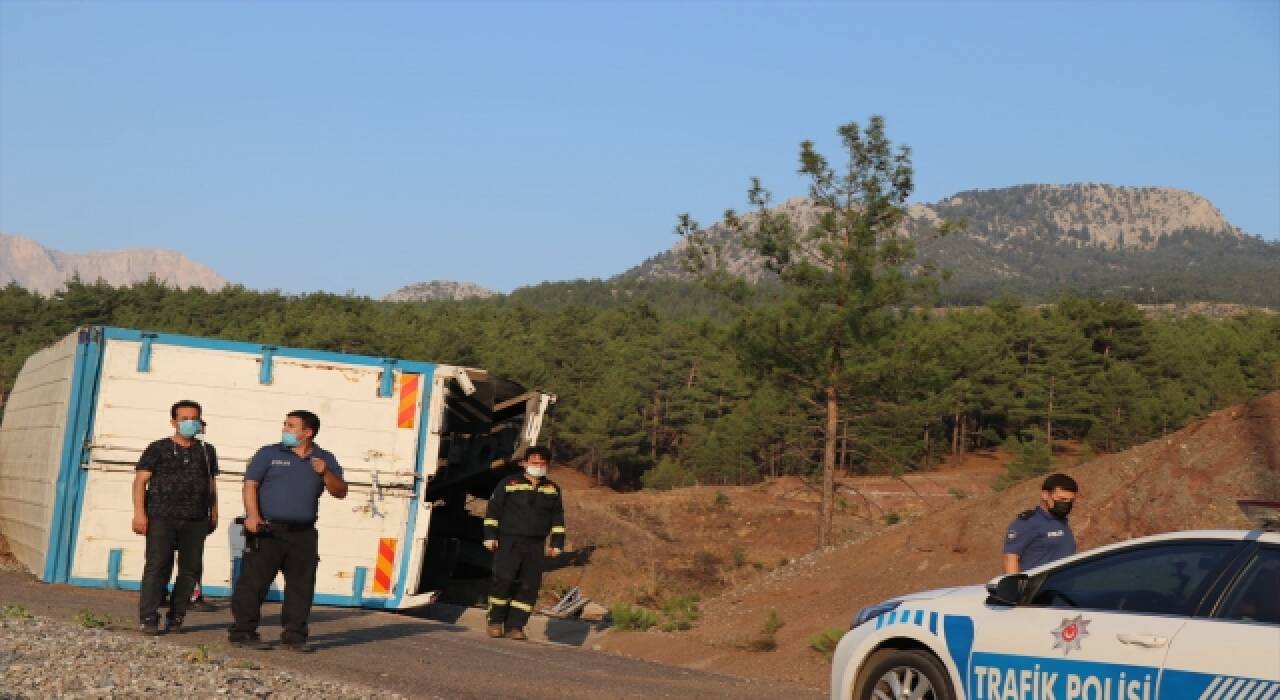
[175, 505]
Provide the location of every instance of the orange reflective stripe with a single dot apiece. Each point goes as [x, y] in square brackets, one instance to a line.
[410, 385]
[386, 557]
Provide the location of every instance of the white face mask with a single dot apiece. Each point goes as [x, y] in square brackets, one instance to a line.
[535, 472]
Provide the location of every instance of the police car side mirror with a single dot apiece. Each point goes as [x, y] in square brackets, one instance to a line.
[1007, 590]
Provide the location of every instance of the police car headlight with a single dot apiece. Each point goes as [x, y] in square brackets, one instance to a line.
[871, 612]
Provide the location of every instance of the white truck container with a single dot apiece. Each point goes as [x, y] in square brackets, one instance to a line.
[411, 437]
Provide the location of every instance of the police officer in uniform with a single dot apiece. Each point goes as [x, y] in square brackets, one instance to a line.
[524, 509]
[1042, 534]
[282, 487]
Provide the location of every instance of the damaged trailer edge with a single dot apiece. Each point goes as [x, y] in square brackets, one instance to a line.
[417, 440]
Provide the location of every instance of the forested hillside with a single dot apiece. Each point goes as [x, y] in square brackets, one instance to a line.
[657, 398]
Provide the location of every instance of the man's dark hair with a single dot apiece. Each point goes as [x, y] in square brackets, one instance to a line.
[309, 420]
[1059, 481]
[543, 452]
[185, 403]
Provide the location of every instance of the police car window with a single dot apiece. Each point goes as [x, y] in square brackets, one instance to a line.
[1256, 596]
[1165, 579]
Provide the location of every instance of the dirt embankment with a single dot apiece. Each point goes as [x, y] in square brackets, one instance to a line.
[649, 546]
[1186, 480]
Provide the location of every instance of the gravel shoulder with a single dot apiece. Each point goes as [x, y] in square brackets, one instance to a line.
[360, 654]
[41, 658]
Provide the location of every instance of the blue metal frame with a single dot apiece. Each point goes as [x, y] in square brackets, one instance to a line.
[274, 595]
[69, 489]
[388, 385]
[191, 341]
[84, 390]
[144, 353]
[113, 567]
[90, 386]
[53, 552]
[268, 355]
[427, 371]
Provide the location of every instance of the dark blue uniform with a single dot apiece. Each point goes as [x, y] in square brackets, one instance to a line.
[289, 492]
[1039, 538]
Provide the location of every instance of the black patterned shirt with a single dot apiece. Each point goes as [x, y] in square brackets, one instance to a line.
[179, 485]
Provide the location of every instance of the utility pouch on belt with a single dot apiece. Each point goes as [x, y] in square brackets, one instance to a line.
[253, 540]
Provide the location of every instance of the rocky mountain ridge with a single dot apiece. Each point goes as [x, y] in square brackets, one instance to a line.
[440, 290]
[1151, 244]
[43, 270]
[1107, 217]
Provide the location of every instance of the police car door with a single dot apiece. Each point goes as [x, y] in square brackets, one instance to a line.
[1096, 628]
[1234, 652]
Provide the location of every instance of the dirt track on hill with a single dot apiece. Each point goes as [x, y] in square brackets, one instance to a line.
[1187, 480]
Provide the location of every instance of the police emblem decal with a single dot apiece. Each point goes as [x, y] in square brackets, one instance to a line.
[1068, 634]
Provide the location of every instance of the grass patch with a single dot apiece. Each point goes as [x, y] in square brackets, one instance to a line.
[626, 616]
[246, 665]
[768, 639]
[825, 641]
[722, 499]
[15, 612]
[89, 619]
[681, 612]
[892, 518]
[199, 655]
[739, 555]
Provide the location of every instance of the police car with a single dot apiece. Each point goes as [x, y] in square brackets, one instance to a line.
[1192, 615]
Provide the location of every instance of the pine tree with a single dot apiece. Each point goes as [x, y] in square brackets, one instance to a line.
[845, 276]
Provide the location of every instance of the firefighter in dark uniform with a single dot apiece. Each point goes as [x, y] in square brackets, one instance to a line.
[524, 509]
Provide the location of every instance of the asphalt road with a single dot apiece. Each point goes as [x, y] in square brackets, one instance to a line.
[413, 656]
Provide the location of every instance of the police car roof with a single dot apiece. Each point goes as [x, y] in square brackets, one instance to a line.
[1183, 535]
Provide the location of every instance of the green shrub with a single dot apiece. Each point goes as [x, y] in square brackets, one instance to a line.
[92, 620]
[199, 655]
[681, 612]
[626, 616]
[739, 556]
[15, 612]
[1087, 453]
[667, 474]
[825, 641]
[768, 639]
[1031, 458]
[722, 499]
[892, 518]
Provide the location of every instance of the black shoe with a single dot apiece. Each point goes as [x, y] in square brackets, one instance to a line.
[255, 642]
[150, 629]
[202, 605]
[300, 647]
[173, 625]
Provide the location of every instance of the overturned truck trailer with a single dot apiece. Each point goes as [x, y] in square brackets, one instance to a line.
[416, 440]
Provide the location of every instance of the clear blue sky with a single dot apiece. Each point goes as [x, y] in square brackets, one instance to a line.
[362, 146]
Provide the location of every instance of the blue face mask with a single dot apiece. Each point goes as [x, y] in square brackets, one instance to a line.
[190, 427]
[289, 439]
